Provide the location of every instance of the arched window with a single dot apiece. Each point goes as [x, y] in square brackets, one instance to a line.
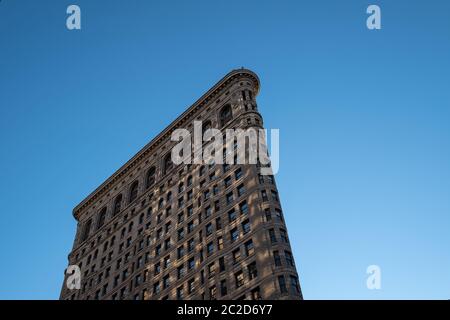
[169, 196]
[134, 191]
[101, 218]
[168, 164]
[150, 177]
[225, 115]
[117, 204]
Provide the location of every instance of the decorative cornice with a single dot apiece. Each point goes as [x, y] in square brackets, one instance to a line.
[154, 143]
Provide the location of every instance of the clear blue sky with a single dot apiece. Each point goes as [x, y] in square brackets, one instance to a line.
[364, 119]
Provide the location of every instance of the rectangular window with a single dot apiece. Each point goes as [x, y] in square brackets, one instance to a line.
[238, 174]
[191, 285]
[191, 263]
[249, 248]
[223, 288]
[240, 190]
[229, 197]
[218, 223]
[264, 195]
[221, 264]
[232, 215]
[246, 226]
[243, 208]
[283, 235]
[234, 234]
[276, 258]
[239, 278]
[272, 236]
[252, 271]
[236, 255]
[282, 284]
[295, 288]
[190, 245]
[209, 248]
[219, 243]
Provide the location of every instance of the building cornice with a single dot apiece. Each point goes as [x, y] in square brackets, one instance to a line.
[156, 142]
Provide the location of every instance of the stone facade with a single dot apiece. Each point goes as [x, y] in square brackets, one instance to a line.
[155, 230]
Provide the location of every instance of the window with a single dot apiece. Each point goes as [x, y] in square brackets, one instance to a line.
[227, 182]
[246, 226]
[191, 285]
[213, 293]
[212, 269]
[221, 264]
[156, 288]
[202, 170]
[117, 204]
[209, 229]
[180, 234]
[274, 195]
[168, 164]
[190, 211]
[180, 187]
[268, 215]
[232, 215]
[276, 258]
[240, 190]
[234, 234]
[150, 177]
[189, 181]
[236, 255]
[169, 197]
[180, 252]
[86, 230]
[101, 218]
[190, 226]
[167, 262]
[289, 258]
[239, 278]
[167, 244]
[223, 288]
[272, 236]
[283, 235]
[264, 195]
[243, 207]
[190, 245]
[255, 294]
[229, 197]
[209, 248]
[180, 271]
[208, 211]
[279, 214]
[252, 271]
[166, 282]
[282, 284]
[134, 191]
[238, 174]
[219, 243]
[225, 115]
[180, 293]
[249, 248]
[294, 284]
[191, 263]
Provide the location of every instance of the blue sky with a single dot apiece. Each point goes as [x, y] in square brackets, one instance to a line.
[363, 116]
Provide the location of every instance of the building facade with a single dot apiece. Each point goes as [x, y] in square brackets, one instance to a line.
[156, 230]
